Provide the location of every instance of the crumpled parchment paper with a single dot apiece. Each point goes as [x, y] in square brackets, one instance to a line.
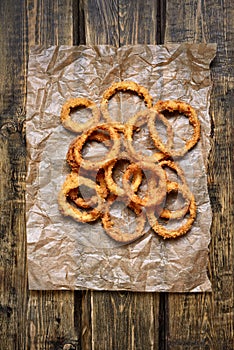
[64, 254]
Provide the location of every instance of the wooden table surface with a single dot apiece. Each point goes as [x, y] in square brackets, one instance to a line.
[113, 320]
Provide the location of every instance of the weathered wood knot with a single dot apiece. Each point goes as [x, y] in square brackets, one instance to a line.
[14, 124]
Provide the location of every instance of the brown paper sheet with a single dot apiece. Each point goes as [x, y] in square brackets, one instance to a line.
[64, 254]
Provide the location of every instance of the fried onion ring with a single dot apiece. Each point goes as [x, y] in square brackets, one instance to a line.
[73, 103]
[134, 123]
[182, 108]
[113, 187]
[174, 186]
[178, 213]
[73, 194]
[123, 86]
[115, 233]
[175, 167]
[173, 233]
[74, 155]
[156, 184]
[73, 180]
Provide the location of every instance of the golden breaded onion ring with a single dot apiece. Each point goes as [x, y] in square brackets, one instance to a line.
[141, 91]
[102, 190]
[112, 185]
[173, 186]
[81, 202]
[176, 168]
[134, 123]
[178, 213]
[100, 178]
[73, 180]
[173, 233]
[182, 108]
[115, 233]
[73, 103]
[74, 155]
[156, 184]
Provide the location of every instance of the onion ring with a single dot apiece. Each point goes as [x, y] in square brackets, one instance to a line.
[123, 86]
[174, 166]
[73, 181]
[148, 115]
[157, 181]
[173, 233]
[116, 233]
[102, 190]
[174, 186]
[72, 103]
[178, 213]
[113, 187]
[74, 155]
[182, 108]
[81, 202]
[100, 137]
[117, 191]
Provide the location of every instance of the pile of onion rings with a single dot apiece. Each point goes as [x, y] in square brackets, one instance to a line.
[90, 190]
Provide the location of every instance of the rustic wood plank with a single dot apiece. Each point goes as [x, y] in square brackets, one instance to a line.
[13, 53]
[205, 321]
[122, 320]
[120, 22]
[86, 319]
[137, 22]
[101, 22]
[51, 321]
[13, 282]
[50, 22]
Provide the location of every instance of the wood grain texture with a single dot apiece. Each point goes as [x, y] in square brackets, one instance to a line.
[50, 22]
[101, 22]
[13, 43]
[120, 22]
[13, 279]
[205, 321]
[123, 320]
[50, 321]
[137, 22]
